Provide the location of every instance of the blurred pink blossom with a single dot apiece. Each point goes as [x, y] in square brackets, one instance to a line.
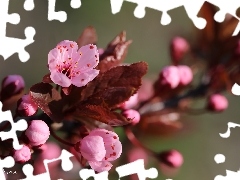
[217, 102]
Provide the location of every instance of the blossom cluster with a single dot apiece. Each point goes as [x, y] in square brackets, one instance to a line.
[89, 91]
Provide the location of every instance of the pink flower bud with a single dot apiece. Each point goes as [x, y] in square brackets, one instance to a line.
[37, 132]
[11, 85]
[169, 76]
[132, 114]
[26, 107]
[100, 147]
[217, 102]
[179, 46]
[131, 102]
[22, 155]
[185, 74]
[171, 158]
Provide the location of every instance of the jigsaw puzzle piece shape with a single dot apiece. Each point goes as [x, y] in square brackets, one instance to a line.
[192, 8]
[137, 167]
[28, 171]
[20, 125]
[163, 6]
[66, 164]
[230, 175]
[7, 162]
[17, 45]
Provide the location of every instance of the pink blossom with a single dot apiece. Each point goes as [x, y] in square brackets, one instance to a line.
[100, 147]
[132, 114]
[185, 74]
[22, 155]
[11, 85]
[169, 76]
[16, 80]
[37, 133]
[171, 158]
[179, 46]
[217, 102]
[26, 107]
[70, 65]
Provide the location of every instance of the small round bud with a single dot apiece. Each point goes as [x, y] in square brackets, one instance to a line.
[185, 74]
[37, 132]
[217, 102]
[179, 46]
[169, 76]
[11, 85]
[132, 114]
[25, 106]
[171, 158]
[22, 155]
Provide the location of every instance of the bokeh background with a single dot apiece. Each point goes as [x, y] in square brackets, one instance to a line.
[199, 142]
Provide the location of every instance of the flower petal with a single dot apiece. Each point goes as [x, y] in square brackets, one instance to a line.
[92, 148]
[60, 79]
[113, 151]
[83, 78]
[69, 47]
[100, 166]
[109, 137]
[89, 57]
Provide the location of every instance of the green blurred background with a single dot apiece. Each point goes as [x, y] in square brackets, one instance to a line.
[198, 144]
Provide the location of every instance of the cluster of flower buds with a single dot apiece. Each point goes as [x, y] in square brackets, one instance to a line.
[35, 136]
[175, 76]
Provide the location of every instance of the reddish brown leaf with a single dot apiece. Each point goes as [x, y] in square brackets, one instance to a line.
[115, 53]
[128, 77]
[119, 81]
[47, 79]
[102, 114]
[113, 96]
[48, 100]
[88, 36]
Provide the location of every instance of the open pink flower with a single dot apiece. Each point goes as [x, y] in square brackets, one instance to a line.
[100, 147]
[70, 65]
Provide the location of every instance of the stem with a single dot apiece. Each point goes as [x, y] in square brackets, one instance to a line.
[132, 138]
[60, 139]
